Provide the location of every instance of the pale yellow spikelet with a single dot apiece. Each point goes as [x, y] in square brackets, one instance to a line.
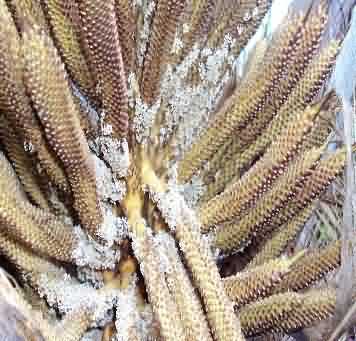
[236, 235]
[162, 302]
[180, 285]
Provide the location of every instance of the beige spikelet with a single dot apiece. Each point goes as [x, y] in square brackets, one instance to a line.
[46, 82]
[179, 283]
[162, 302]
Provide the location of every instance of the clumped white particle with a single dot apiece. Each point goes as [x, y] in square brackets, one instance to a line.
[114, 228]
[109, 189]
[144, 118]
[116, 153]
[177, 44]
[68, 295]
[90, 253]
[148, 10]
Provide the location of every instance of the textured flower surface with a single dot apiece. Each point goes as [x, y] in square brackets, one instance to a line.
[150, 192]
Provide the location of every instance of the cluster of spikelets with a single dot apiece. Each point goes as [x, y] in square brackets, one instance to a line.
[69, 71]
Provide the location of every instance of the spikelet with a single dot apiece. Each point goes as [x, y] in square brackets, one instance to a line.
[279, 241]
[246, 107]
[316, 305]
[46, 81]
[23, 164]
[21, 227]
[261, 316]
[188, 303]
[318, 181]
[305, 47]
[163, 29]
[240, 24]
[311, 268]
[256, 283]
[100, 32]
[287, 312]
[162, 302]
[61, 15]
[126, 22]
[25, 261]
[302, 95]
[243, 194]
[198, 257]
[236, 235]
[15, 102]
[200, 23]
[29, 10]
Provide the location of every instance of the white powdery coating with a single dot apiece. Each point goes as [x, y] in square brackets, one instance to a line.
[171, 204]
[116, 153]
[129, 319]
[177, 44]
[68, 295]
[90, 253]
[144, 118]
[92, 335]
[193, 190]
[108, 187]
[113, 229]
[148, 10]
[190, 106]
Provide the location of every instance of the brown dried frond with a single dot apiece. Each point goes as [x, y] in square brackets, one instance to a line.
[61, 15]
[279, 241]
[16, 220]
[15, 102]
[163, 28]
[48, 86]
[244, 193]
[287, 312]
[311, 268]
[23, 163]
[256, 283]
[234, 235]
[126, 22]
[100, 31]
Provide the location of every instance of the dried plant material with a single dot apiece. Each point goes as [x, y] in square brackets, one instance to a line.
[47, 84]
[244, 194]
[16, 104]
[279, 241]
[236, 235]
[100, 31]
[256, 283]
[180, 285]
[311, 268]
[162, 302]
[62, 15]
[126, 23]
[23, 164]
[162, 33]
[287, 312]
